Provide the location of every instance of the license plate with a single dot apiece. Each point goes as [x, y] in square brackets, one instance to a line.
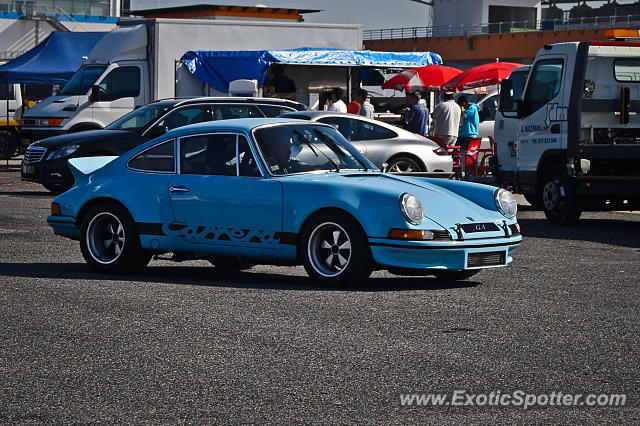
[27, 169]
[479, 227]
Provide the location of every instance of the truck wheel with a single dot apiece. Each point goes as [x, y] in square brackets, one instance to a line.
[558, 198]
[8, 145]
[334, 250]
[109, 240]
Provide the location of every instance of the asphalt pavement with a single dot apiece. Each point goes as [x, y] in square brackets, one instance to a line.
[182, 343]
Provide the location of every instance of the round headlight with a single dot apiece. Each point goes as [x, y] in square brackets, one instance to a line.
[506, 203]
[411, 208]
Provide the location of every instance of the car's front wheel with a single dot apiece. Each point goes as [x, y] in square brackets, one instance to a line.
[109, 240]
[335, 251]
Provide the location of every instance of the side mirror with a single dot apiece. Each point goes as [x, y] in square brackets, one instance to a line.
[95, 93]
[508, 105]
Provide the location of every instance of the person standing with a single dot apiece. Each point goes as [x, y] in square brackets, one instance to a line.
[354, 105]
[338, 104]
[366, 109]
[447, 119]
[417, 115]
[468, 130]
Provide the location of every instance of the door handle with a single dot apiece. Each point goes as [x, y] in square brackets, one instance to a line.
[555, 128]
[178, 189]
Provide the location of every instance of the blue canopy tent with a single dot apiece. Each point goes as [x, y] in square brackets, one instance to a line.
[53, 61]
[219, 68]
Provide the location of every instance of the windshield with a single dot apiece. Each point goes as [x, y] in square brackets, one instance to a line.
[299, 148]
[140, 118]
[83, 79]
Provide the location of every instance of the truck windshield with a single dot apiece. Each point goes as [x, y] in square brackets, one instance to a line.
[140, 118]
[83, 79]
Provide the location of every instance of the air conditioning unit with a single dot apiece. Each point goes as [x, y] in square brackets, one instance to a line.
[244, 88]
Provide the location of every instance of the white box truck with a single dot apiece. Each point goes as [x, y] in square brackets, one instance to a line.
[10, 113]
[137, 63]
[576, 143]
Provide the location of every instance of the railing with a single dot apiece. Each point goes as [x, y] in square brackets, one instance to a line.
[627, 21]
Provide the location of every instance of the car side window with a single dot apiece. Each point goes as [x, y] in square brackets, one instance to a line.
[121, 82]
[159, 159]
[370, 131]
[544, 84]
[344, 125]
[212, 154]
[489, 108]
[274, 110]
[227, 111]
[184, 116]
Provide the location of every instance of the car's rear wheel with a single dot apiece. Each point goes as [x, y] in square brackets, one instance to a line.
[335, 251]
[455, 275]
[404, 165]
[109, 240]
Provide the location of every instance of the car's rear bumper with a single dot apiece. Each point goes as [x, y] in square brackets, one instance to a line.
[65, 226]
[442, 255]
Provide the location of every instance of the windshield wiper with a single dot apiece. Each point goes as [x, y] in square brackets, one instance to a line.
[306, 142]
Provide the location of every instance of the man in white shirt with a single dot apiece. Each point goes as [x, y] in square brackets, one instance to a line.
[447, 117]
[338, 104]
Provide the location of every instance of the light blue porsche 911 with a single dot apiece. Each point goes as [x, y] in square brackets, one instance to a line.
[279, 191]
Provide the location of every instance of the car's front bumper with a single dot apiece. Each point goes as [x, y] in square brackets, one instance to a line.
[442, 255]
[47, 172]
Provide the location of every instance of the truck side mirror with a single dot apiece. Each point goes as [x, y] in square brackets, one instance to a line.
[94, 96]
[509, 107]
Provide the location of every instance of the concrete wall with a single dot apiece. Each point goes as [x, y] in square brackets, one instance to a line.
[19, 35]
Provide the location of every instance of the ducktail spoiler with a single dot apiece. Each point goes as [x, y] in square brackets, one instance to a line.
[82, 167]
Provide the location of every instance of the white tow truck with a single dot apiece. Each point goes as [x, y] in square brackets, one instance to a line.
[576, 144]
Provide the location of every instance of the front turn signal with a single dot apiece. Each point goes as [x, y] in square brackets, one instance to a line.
[410, 234]
[55, 209]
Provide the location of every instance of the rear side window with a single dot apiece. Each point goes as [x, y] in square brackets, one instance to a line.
[227, 111]
[370, 131]
[627, 70]
[346, 126]
[158, 159]
[274, 110]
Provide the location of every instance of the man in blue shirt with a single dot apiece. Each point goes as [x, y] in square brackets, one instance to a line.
[468, 130]
[417, 115]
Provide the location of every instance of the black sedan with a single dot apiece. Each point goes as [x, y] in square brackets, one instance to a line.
[45, 161]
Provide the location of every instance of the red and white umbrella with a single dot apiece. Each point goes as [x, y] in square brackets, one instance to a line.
[482, 75]
[428, 78]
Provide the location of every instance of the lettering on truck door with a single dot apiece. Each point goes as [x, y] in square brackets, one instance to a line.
[544, 110]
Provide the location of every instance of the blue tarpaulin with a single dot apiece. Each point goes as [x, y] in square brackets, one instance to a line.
[219, 68]
[54, 60]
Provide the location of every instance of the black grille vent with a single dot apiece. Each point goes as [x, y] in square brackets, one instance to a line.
[486, 259]
[441, 235]
[514, 229]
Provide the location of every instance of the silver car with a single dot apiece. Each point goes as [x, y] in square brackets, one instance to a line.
[381, 142]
